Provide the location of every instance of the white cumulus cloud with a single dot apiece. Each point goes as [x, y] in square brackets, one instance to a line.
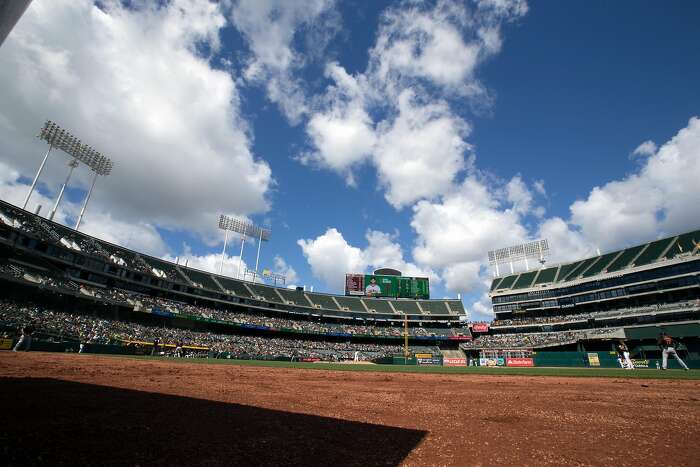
[132, 82]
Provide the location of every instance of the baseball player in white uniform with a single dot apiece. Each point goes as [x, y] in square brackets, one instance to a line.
[625, 361]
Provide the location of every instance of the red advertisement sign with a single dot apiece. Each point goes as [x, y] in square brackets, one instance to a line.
[480, 327]
[520, 361]
[451, 361]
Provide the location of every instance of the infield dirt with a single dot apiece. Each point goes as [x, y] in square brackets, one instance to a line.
[86, 409]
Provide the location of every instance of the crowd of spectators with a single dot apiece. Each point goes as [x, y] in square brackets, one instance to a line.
[531, 340]
[90, 329]
[683, 306]
[149, 303]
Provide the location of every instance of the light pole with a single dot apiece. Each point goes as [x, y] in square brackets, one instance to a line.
[61, 139]
[244, 228]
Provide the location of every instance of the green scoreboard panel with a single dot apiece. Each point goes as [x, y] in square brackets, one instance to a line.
[371, 285]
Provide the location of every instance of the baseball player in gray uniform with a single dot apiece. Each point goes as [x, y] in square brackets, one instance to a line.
[668, 347]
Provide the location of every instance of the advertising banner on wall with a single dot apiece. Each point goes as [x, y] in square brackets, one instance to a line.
[492, 361]
[454, 361]
[520, 361]
[371, 285]
[593, 359]
[480, 327]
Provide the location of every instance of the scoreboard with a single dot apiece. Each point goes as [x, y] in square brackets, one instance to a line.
[371, 285]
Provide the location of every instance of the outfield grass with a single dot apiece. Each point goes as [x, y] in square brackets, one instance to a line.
[549, 371]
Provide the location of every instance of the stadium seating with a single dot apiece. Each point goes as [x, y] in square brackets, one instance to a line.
[546, 276]
[296, 297]
[351, 304]
[456, 307]
[267, 293]
[201, 279]
[653, 252]
[625, 258]
[434, 307]
[407, 307]
[150, 275]
[323, 301]
[622, 260]
[599, 265]
[684, 244]
[379, 305]
[237, 287]
[524, 280]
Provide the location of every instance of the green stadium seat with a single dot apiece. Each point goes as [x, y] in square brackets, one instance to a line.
[295, 296]
[580, 267]
[525, 280]
[507, 282]
[325, 301]
[683, 244]
[599, 265]
[434, 307]
[351, 303]
[625, 258]
[494, 284]
[265, 291]
[653, 252]
[456, 306]
[407, 306]
[201, 277]
[380, 305]
[546, 275]
[235, 286]
[564, 270]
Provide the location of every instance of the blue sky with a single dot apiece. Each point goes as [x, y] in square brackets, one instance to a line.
[365, 134]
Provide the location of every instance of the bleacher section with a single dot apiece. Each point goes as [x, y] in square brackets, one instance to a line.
[202, 279]
[325, 301]
[652, 252]
[434, 307]
[82, 258]
[546, 276]
[407, 307]
[169, 269]
[684, 244]
[625, 258]
[579, 268]
[379, 305]
[525, 280]
[296, 297]
[617, 261]
[351, 303]
[456, 307]
[268, 293]
[237, 287]
[599, 265]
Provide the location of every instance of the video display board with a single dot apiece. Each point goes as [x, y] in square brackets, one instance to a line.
[370, 285]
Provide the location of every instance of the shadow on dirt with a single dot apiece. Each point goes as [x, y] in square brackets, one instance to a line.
[54, 422]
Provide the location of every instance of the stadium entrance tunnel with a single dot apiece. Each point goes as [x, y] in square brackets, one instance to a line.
[55, 422]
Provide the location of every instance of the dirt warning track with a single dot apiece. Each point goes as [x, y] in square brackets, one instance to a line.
[83, 409]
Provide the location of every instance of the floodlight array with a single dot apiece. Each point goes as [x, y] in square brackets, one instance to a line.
[235, 224]
[537, 249]
[61, 139]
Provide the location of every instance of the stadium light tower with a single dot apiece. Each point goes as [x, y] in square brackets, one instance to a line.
[532, 250]
[61, 139]
[234, 224]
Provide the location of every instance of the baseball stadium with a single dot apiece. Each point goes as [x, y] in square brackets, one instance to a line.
[110, 355]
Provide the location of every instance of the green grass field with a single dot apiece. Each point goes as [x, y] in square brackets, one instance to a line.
[572, 372]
